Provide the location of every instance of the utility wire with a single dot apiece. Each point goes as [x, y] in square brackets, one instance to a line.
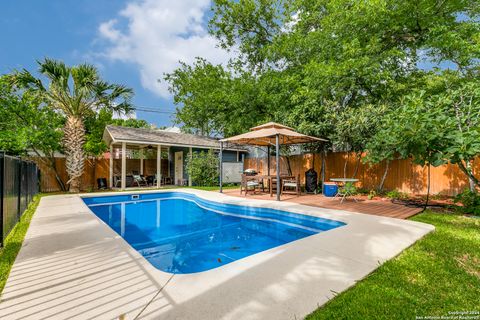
[153, 110]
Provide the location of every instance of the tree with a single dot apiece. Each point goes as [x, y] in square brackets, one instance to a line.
[215, 102]
[203, 168]
[26, 125]
[76, 92]
[460, 109]
[309, 60]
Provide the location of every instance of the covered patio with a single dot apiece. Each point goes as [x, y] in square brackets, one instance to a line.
[142, 157]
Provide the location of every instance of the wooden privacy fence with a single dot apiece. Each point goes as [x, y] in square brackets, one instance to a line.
[403, 175]
[93, 170]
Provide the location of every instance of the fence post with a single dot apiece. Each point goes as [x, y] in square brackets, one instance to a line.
[2, 173]
[19, 191]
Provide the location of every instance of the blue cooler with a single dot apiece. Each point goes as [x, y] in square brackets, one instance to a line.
[330, 189]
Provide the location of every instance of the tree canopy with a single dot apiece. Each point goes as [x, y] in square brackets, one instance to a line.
[343, 70]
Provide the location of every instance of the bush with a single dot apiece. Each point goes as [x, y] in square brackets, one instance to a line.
[395, 194]
[371, 194]
[470, 201]
[349, 188]
[203, 169]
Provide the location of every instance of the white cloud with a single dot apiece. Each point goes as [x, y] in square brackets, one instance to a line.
[156, 34]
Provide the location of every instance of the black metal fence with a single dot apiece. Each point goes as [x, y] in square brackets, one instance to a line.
[18, 185]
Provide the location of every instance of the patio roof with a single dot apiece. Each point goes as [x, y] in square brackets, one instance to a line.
[143, 136]
[265, 135]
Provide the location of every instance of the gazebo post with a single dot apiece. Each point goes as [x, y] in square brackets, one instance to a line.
[277, 155]
[268, 160]
[221, 165]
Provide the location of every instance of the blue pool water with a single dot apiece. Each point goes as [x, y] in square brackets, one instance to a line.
[182, 233]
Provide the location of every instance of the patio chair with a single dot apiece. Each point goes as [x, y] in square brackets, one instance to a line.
[117, 181]
[249, 183]
[139, 180]
[291, 182]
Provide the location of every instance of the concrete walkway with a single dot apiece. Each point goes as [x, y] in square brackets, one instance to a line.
[73, 266]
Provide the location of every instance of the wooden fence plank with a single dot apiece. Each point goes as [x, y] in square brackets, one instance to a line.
[403, 175]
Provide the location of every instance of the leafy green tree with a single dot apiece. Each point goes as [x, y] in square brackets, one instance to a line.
[311, 59]
[214, 102]
[203, 168]
[460, 116]
[434, 129]
[76, 92]
[27, 126]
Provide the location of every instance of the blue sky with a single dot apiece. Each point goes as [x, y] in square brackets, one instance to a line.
[131, 42]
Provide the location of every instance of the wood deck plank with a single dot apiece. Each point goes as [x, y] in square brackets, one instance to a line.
[374, 207]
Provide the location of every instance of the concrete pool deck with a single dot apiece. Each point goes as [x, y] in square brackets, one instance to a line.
[73, 266]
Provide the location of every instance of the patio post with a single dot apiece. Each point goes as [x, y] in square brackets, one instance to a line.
[141, 160]
[190, 154]
[110, 169]
[124, 166]
[277, 155]
[159, 166]
[221, 165]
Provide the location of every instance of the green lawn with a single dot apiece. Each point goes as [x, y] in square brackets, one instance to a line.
[437, 275]
[14, 240]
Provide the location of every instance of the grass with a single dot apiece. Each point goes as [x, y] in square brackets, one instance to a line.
[14, 240]
[437, 275]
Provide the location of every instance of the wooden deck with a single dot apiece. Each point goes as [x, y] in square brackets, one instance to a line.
[375, 207]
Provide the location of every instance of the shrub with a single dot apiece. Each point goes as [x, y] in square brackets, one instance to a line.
[395, 194]
[470, 201]
[371, 194]
[348, 188]
[203, 168]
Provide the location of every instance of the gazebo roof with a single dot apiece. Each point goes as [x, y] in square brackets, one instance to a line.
[265, 135]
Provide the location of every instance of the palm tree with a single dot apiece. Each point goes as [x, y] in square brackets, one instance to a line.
[76, 92]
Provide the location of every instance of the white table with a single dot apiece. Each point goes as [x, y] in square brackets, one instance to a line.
[343, 181]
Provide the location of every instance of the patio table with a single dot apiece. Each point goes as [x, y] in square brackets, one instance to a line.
[271, 178]
[344, 181]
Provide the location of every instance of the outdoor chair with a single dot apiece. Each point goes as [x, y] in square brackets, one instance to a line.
[289, 183]
[249, 183]
[139, 180]
[117, 181]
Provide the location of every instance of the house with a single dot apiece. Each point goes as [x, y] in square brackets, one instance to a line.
[157, 153]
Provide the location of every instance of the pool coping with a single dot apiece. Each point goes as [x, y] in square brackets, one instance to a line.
[110, 279]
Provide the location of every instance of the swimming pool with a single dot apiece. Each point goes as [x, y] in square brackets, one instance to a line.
[182, 233]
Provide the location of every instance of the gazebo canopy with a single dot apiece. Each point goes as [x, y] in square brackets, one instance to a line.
[266, 135]
[269, 134]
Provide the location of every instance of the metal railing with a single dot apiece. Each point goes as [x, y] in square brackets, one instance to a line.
[18, 185]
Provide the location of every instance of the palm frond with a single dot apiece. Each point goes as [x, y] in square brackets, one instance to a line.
[56, 71]
[84, 77]
[25, 80]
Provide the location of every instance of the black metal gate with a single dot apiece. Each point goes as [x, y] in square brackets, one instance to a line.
[18, 185]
